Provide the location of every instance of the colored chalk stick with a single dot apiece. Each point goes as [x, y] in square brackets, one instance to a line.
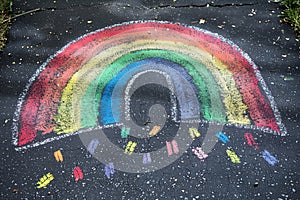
[147, 158]
[130, 147]
[93, 146]
[269, 158]
[58, 156]
[154, 130]
[109, 169]
[175, 147]
[250, 140]
[194, 133]
[233, 157]
[125, 132]
[169, 148]
[45, 180]
[199, 153]
[221, 136]
[78, 174]
[172, 147]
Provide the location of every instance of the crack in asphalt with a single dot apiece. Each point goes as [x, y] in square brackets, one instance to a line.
[127, 5]
[203, 5]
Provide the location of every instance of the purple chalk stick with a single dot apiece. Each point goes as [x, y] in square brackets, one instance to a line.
[93, 146]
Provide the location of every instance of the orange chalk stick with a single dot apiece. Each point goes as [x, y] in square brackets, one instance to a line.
[58, 156]
[154, 130]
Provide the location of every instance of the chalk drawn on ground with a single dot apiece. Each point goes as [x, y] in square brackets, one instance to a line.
[87, 88]
[49, 106]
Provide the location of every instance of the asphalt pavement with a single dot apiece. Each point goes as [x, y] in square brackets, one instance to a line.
[259, 161]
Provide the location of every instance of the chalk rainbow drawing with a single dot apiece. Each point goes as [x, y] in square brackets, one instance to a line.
[73, 90]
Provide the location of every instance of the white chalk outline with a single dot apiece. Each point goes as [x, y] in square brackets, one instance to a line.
[64, 135]
[169, 82]
[246, 126]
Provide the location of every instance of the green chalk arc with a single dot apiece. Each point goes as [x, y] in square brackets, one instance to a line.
[212, 107]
